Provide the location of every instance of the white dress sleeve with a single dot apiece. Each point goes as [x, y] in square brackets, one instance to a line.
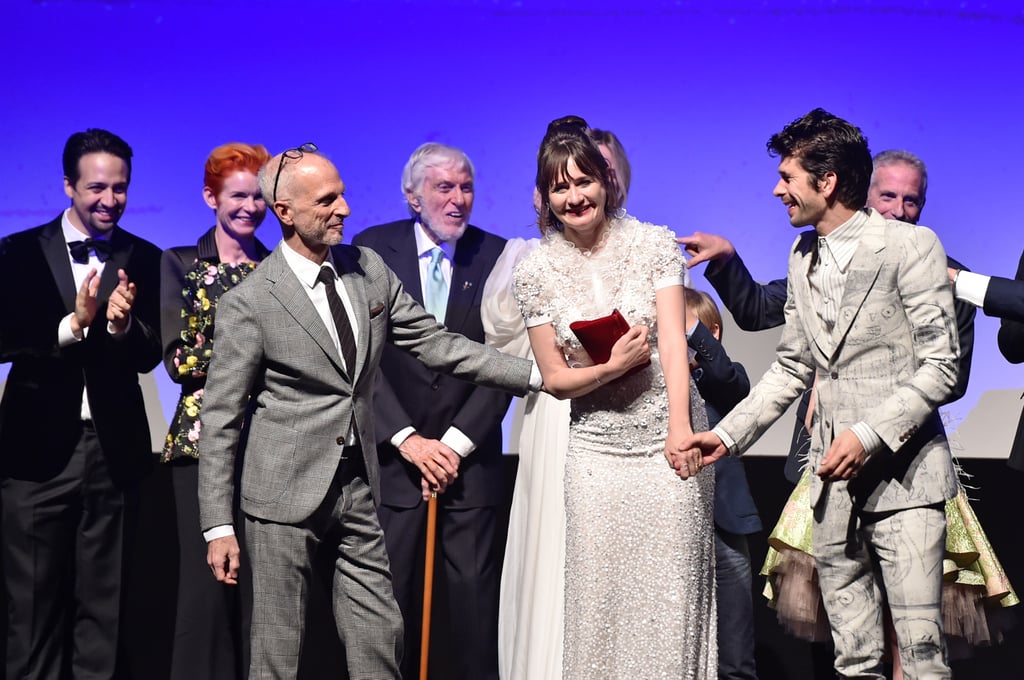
[502, 320]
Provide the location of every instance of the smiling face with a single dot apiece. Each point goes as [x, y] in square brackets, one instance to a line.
[99, 196]
[239, 206]
[895, 192]
[312, 206]
[577, 201]
[805, 202]
[444, 201]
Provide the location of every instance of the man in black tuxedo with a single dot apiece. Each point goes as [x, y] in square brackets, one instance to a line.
[74, 439]
[899, 182]
[437, 433]
[1003, 298]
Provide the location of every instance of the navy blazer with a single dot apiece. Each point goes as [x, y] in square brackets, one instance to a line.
[723, 383]
[410, 394]
[1005, 298]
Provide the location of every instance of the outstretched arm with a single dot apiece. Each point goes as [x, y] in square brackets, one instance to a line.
[755, 306]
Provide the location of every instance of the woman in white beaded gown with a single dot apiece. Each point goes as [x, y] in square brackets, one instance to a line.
[639, 565]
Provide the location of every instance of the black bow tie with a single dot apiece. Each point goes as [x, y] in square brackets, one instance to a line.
[80, 250]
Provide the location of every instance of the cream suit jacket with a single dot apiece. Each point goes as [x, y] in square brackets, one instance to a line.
[890, 361]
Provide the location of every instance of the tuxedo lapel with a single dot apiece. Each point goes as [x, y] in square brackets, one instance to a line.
[55, 250]
[121, 251]
[286, 288]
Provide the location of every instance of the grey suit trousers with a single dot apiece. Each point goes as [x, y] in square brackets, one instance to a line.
[365, 610]
[870, 562]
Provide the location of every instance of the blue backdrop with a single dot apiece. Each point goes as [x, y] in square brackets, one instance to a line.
[694, 89]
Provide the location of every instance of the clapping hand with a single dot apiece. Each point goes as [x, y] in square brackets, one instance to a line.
[119, 306]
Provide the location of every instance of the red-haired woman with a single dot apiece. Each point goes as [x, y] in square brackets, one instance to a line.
[210, 640]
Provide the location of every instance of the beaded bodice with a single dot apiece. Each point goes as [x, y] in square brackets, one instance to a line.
[560, 284]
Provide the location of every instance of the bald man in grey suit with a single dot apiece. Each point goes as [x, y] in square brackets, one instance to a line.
[869, 311]
[298, 344]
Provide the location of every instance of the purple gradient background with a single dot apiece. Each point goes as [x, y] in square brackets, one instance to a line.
[694, 89]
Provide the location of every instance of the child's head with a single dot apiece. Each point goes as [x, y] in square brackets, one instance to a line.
[703, 306]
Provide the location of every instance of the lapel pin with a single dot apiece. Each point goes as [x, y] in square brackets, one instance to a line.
[466, 285]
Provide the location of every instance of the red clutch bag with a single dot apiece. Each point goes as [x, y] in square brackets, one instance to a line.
[598, 335]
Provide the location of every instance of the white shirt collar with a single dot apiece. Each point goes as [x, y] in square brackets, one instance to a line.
[305, 269]
[845, 238]
[424, 244]
[71, 234]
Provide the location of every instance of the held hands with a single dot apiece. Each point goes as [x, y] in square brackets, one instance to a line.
[222, 554]
[703, 247]
[693, 453]
[119, 306]
[681, 457]
[844, 458]
[632, 349]
[438, 464]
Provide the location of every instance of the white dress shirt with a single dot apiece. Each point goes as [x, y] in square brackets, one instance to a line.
[453, 438]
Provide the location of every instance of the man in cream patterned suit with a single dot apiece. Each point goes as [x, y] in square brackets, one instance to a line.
[298, 346]
[870, 312]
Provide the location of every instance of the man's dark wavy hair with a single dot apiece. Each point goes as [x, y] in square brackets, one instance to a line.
[824, 143]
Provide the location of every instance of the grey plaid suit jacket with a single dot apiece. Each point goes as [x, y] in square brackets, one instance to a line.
[890, 361]
[272, 347]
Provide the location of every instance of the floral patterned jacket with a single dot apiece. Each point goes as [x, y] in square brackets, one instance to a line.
[192, 280]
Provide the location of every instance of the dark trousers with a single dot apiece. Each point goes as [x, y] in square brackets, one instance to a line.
[471, 575]
[211, 626]
[735, 607]
[63, 552]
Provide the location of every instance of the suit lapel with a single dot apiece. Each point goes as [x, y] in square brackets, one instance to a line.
[286, 288]
[467, 272]
[346, 259]
[55, 250]
[403, 260]
[864, 268]
[802, 293]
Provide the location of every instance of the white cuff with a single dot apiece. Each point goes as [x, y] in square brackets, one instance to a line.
[402, 435]
[869, 439]
[536, 379]
[65, 336]
[729, 442]
[458, 442]
[219, 532]
[971, 287]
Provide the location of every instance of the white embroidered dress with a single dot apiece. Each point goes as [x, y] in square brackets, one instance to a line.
[639, 553]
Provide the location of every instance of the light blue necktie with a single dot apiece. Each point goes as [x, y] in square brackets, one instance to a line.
[436, 301]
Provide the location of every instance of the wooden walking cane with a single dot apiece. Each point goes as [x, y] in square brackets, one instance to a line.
[428, 584]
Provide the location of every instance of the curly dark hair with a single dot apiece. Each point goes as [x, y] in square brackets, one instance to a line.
[567, 139]
[825, 143]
